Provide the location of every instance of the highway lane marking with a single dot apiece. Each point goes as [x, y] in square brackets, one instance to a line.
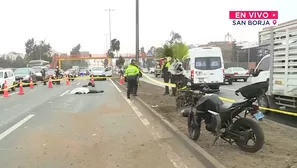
[64, 93]
[172, 156]
[78, 84]
[14, 127]
[115, 86]
[9, 94]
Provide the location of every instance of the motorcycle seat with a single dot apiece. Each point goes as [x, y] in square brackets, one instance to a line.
[239, 102]
[225, 107]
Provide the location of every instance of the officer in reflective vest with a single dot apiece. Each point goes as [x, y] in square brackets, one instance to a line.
[166, 73]
[131, 75]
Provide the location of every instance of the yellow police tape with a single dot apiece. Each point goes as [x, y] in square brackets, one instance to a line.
[226, 99]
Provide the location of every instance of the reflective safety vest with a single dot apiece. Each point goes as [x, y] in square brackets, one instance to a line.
[131, 71]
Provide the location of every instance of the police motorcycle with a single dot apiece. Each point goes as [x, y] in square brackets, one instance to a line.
[227, 121]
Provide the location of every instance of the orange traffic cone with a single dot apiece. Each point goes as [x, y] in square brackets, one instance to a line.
[31, 83]
[50, 83]
[5, 90]
[67, 80]
[21, 89]
[92, 80]
[122, 80]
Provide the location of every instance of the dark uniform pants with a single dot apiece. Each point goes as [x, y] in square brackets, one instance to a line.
[166, 80]
[136, 86]
[132, 83]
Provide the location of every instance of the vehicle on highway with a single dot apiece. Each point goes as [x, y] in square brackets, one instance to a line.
[71, 74]
[158, 67]
[8, 76]
[224, 120]
[228, 77]
[51, 72]
[25, 74]
[38, 73]
[99, 71]
[83, 72]
[239, 73]
[33, 63]
[281, 69]
[151, 70]
[205, 65]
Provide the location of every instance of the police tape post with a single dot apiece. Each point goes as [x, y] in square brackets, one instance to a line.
[226, 99]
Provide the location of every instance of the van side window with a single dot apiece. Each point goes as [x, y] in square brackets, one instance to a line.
[264, 64]
[5, 74]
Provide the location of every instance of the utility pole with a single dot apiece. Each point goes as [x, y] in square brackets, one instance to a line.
[106, 41]
[137, 32]
[109, 11]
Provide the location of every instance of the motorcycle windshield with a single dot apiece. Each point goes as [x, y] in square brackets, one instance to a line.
[209, 102]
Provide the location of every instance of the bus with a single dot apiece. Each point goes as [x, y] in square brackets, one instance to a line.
[33, 63]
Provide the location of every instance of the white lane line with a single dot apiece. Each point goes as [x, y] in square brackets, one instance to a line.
[9, 94]
[64, 93]
[17, 125]
[78, 84]
[115, 86]
[172, 156]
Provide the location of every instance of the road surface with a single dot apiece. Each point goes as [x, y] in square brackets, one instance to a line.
[50, 128]
[227, 91]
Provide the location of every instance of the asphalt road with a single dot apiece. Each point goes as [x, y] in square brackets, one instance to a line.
[227, 91]
[48, 127]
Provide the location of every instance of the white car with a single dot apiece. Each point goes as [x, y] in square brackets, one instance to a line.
[239, 73]
[101, 72]
[8, 76]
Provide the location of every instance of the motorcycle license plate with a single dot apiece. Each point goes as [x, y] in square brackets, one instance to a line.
[259, 115]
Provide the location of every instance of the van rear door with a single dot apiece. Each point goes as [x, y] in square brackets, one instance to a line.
[208, 70]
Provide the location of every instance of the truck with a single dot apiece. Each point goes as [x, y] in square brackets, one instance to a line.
[279, 67]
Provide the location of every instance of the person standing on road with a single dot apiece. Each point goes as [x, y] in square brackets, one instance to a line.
[131, 74]
[166, 73]
[43, 76]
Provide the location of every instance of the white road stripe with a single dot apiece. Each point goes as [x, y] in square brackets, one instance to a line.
[17, 125]
[64, 93]
[78, 84]
[172, 156]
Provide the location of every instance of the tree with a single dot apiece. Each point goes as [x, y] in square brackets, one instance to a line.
[36, 51]
[75, 50]
[174, 37]
[115, 46]
[180, 50]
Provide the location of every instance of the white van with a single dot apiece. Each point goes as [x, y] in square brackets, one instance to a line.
[8, 76]
[205, 65]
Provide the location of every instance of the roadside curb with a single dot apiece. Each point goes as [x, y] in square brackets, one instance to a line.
[198, 152]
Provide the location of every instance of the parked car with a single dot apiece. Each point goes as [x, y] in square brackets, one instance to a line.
[84, 71]
[25, 74]
[37, 70]
[8, 76]
[228, 77]
[239, 73]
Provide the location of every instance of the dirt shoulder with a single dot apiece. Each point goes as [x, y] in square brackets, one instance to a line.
[279, 150]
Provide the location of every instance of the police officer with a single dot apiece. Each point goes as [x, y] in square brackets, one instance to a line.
[57, 72]
[136, 86]
[43, 76]
[166, 73]
[131, 74]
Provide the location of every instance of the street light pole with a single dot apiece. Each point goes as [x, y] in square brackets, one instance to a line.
[137, 32]
[109, 11]
[106, 41]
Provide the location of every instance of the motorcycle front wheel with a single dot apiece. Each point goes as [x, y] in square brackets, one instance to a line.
[249, 132]
[193, 128]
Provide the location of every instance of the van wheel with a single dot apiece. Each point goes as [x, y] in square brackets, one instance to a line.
[230, 82]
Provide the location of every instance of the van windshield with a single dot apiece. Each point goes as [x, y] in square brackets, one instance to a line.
[208, 63]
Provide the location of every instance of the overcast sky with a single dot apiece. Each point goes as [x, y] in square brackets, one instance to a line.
[65, 23]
